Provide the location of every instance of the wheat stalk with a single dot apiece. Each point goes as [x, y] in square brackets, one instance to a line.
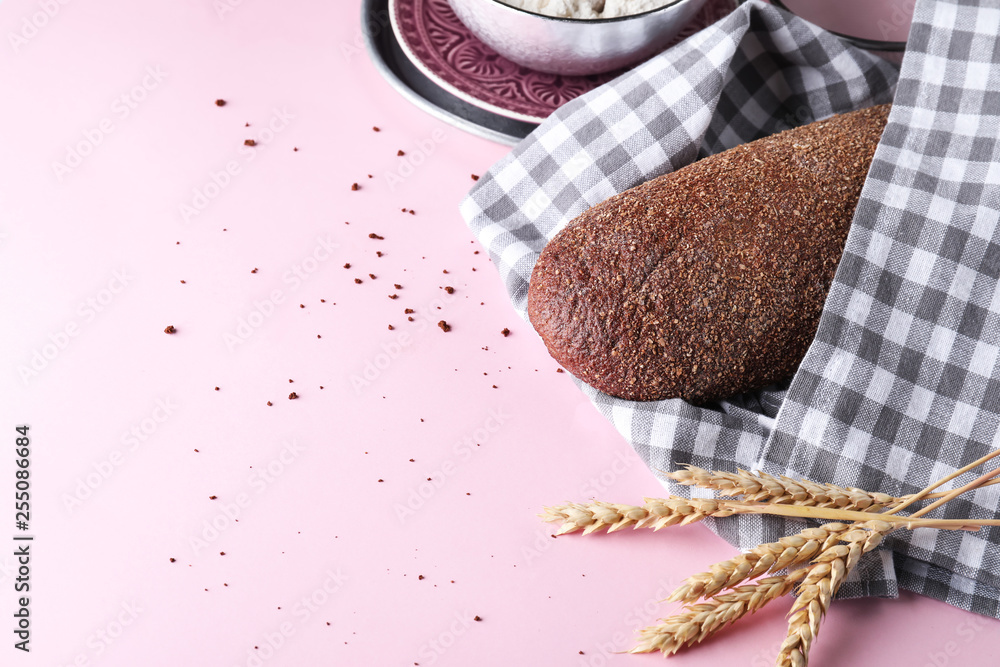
[765, 490]
[702, 620]
[849, 516]
[822, 582]
[761, 487]
[834, 548]
[656, 513]
[770, 557]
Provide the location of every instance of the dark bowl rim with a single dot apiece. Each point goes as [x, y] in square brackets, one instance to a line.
[860, 42]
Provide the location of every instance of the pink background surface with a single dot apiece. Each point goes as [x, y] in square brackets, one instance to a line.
[320, 561]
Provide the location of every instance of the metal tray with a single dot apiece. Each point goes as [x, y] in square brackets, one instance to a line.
[392, 63]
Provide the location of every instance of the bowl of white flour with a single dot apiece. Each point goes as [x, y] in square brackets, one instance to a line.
[576, 37]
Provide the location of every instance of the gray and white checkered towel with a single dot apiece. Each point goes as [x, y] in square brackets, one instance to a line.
[901, 385]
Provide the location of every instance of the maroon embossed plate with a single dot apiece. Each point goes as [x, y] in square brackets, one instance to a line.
[443, 49]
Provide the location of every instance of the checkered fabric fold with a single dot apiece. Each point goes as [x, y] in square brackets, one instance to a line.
[901, 385]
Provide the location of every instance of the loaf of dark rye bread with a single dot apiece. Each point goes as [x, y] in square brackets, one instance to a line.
[708, 281]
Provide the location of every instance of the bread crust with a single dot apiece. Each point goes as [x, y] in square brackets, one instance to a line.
[708, 281]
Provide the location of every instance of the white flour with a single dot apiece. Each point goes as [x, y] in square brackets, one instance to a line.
[587, 9]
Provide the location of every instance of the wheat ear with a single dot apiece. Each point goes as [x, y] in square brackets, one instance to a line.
[770, 557]
[761, 487]
[656, 513]
[822, 582]
[701, 620]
